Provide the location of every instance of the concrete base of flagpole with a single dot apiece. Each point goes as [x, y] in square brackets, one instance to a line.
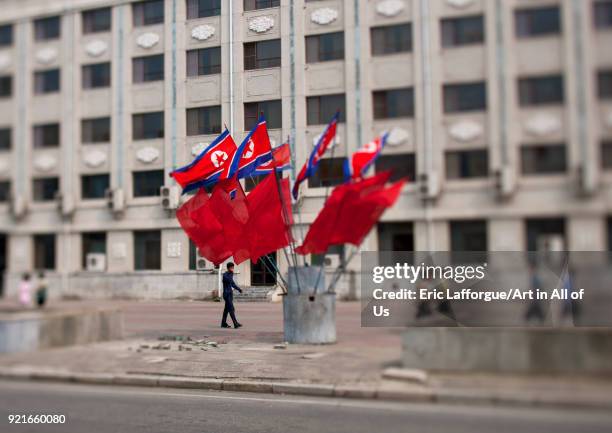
[309, 318]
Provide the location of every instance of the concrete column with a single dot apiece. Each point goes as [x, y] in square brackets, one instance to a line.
[506, 235]
[174, 251]
[440, 240]
[120, 247]
[586, 233]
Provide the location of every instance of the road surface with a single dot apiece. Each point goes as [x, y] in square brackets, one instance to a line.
[103, 409]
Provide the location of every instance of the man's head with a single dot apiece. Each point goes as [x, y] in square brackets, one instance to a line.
[230, 267]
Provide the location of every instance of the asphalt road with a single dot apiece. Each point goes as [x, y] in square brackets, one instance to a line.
[102, 409]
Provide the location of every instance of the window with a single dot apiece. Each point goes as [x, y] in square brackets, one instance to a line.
[465, 97]
[5, 191]
[148, 126]
[94, 186]
[46, 135]
[401, 165]
[96, 75]
[147, 250]
[149, 68]
[466, 164]
[147, 183]
[393, 103]
[602, 12]
[604, 84]
[462, 31]
[6, 86]
[395, 237]
[468, 235]
[262, 54]
[46, 81]
[6, 35]
[204, 120]
[537, 21]
[251, 5]
[203, 8]
[146, 13]
[45, 189]
[95, 130]
[546, 159]
[6, 139]
[263, 273]
[96, 20]
[92, 243]
[391, 39]
[205, 61]
[606, 155]
[321, 109]
[540, 230]
[541, 90]
[272, 110]
[325, 47]
[44, 252]
[330, 172]
[47, 28]
[252, 181]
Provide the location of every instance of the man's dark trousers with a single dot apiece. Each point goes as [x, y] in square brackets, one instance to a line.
[229, 308]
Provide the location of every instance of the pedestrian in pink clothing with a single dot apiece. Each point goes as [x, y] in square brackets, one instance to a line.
[25, 291]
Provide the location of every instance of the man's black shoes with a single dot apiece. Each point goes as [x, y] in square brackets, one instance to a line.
[237, 325]
[225, 325]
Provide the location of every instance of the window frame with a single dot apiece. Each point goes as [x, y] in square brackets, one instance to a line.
[268, 107]
[322, 55]
[89, 75]
[458, 101]
[529, 152]
[45, 80]
[43, 33]
[142, 117]
[381, 103]
[321, 117]
[198, 55]
[45, 196]
[190, 6]
[142, 64]
[388, 47]
[471, 163]
[88, 190]
[154, 237]
[90, 27]
[196, 124]
[253, 61]
[139, 13]
[456, 26]
[144, 191]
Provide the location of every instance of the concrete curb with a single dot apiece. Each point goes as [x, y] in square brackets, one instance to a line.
[447, 396]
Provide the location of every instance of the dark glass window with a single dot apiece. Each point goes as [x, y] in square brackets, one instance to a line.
[330, 172]
[44, 252]
[543, 159]
[395, 237]
[146, 13]
[96, 20]
[6, 139]
[541, 90]
[251, 5]
[5, 191]
[325, 47]
[47, 28]
[262, 54]
[149, 68]
[147, 183]
[251, 182]
[462, 31]
[272, 110]
[147, 126]
[401, 165]
[47, 81]
[602, 11]
[465, 97]
[203, 8]
[604, 84]
[6, 35]
[606, 155]
[205, 61]
[6, 86]
[147, 250]
[538, 229]
[466, 164]
[96, 75]
[393, 103]
[45, 189]
[94, 186]
[321, 109]
[46, 135]
[537, 21]
[204, 120]
[93, 242]
[468, 235]
[96, 130]
[391, 39]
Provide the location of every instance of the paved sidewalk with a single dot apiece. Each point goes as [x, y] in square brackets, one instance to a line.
[179, 344]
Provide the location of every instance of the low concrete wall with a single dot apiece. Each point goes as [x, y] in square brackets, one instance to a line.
[516, 350]
[33, 330]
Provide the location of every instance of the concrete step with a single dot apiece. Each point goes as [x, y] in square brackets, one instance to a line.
[253, 294]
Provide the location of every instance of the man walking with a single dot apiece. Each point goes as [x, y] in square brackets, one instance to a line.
[228, 296]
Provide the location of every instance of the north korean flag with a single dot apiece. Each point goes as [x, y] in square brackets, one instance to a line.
[310, 167]
[356, 166]
[281, 158]
[257, 149]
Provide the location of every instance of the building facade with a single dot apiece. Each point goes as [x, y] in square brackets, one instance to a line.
[499, 111]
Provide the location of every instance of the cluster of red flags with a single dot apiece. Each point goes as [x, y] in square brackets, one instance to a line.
[350, 213]
[243, 227]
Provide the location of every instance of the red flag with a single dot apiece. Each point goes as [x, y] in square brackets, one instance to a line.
[362, 159]
[269, 217]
